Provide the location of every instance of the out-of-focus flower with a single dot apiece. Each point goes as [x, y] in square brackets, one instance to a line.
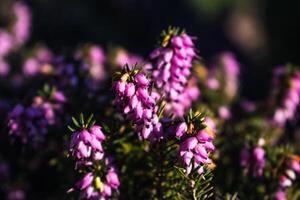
[291, 99]
[122, 57]
[254, 159]
[92, 59]
[6, 43]
[280, 195]
[213, 83]
[31, 123]
[231, 70]
[35, 64]
[22, 24]
[4, 68]
[16, 194]
[259, 161]
[224, 112]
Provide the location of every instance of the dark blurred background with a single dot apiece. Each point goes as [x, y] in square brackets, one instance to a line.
[262, 33]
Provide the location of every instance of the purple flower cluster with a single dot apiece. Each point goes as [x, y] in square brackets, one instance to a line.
[172, 71]
[139, 103]
[255, 159]
[27, 123]
[92, 60]
[51, 109]
[38, 62]
[93, 188]
[65, 73]
[15, 36]
[86, 146]
[286, 179]
[31, 123]
[194, 150]
[290, 101]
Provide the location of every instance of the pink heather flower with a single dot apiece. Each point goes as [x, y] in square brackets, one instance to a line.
[93, 187]
[123, 57]
[31, 123]
[43, 54]
[295, 165]
[86, 145]
[4, 68]
[96, 59]
[112, 179]
[21, 27]
[231, 72]
[280, 195]
[181, 129]
[52, 108]
[59, 97]
[35, 63]
[209, 122]
[31, 67]
[172, 71]
[290, 102]
[213, 84]
[138, 103]
[224, 112]
[184, 101]
[194, 151]
[6, 43]
[259, 161]
[92, 59]
[284, 181]
[16, 194]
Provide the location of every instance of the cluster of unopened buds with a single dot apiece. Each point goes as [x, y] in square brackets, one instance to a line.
[87, 151]
[286, 180]
[135, 98]
[172, 71]
[255, 159]
[86, 145]
[32, 123]
[196, 145]
[291, 99]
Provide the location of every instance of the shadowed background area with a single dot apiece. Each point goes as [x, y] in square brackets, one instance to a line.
[261, 33]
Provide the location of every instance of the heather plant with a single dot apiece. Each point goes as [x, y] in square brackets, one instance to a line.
[105, 123]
